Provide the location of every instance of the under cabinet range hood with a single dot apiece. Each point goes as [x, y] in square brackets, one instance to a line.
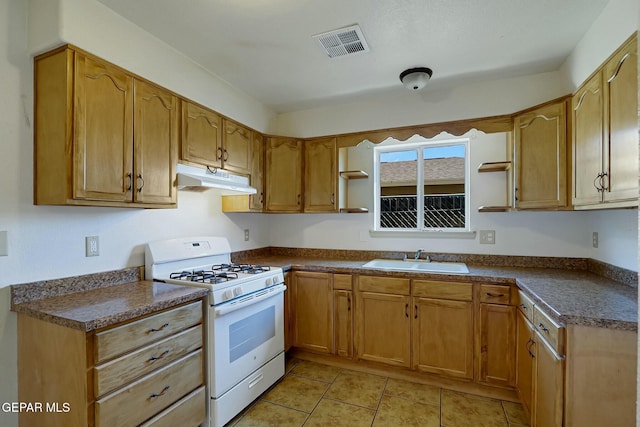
[198, 179]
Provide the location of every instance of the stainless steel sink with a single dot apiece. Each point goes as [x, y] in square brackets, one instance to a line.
[418, 266]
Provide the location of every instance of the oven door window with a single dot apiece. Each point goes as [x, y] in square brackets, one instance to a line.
[251, 332]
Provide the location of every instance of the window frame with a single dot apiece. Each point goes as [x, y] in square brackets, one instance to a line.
[418, 147]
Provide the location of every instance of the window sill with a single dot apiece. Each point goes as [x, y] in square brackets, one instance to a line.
[424, 234]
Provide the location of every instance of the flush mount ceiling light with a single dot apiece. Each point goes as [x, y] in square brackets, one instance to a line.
[415, 78]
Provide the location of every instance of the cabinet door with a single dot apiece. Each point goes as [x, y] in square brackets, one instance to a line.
[236, 148]
[524, 361]
[313, 313]
[343, 322]
[103, 132]
[621, 124]
[321, 176]
[549, 379]
[284, 175]
[156, 122]
[201, 135]
[384, 328]
[497, 344]
[443, 337]
[541, 157]
[256, 201]
[587, 113]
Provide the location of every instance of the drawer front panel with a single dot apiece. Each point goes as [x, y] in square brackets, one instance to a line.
[525, 305]
[122, 339]
[113, 374]
[151, 394]
[188, 411]
[443, 290]
[342, 281]
[384, 285]
[549, 330]
[495, 294]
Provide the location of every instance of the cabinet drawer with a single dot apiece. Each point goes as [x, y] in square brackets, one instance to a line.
[188, 411]
[443, 290]
[122, 339]
[122, 370]
[342, 281]
[384, 285]
[525, 305]
[549, 330]
[151, 394]
[495, 294]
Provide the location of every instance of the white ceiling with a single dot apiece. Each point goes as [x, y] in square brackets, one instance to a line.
[265, 47]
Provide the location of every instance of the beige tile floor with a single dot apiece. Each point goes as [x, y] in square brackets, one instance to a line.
[313, 394]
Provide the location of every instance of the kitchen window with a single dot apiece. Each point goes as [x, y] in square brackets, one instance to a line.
[422, 186]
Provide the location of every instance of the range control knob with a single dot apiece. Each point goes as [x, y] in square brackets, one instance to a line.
[237, 291]
[228, 294]
[268, 282]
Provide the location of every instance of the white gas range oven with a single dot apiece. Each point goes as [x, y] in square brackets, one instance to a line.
[245, 320]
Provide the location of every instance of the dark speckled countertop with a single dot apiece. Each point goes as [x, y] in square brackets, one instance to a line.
[569, 296]
[98, 304]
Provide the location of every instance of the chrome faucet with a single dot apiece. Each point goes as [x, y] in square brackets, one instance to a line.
[417, 255]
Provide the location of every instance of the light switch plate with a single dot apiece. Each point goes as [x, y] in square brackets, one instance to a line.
[595, 239]
[4, 243]
[246, 234]
[487, 237]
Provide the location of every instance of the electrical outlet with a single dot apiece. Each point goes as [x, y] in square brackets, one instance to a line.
[4, 244]
[594, 238]
[246, 234]
[487, 237]
[92, 246]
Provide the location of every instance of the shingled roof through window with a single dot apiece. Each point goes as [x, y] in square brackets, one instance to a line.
[448, 169]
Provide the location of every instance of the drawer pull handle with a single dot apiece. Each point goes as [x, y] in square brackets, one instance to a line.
[544, 328]
[159, 329]
[416, 313]
[494, 295]
[154, 395]
[524, 307]
[154, 358]
[406, 310]
[256, 380]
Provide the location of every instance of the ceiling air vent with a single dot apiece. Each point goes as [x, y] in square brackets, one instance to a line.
[344, 41]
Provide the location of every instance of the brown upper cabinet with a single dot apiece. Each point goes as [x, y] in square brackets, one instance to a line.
[321, 175]
[605, 138]
[236, 147]
[540, 157]
[256, 201]
[288, 161]
[210, 140]
[201, 135]
[283, 186]
[118, 155]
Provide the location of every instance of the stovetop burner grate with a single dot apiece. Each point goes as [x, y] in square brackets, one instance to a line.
[241, 268]
[204, 276]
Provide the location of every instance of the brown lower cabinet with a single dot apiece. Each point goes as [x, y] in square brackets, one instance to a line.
[383, 320]
[312, 311]
[425, 325]
[540, 376]
[149, 371]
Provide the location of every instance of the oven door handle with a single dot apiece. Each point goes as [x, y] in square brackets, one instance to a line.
[249, 300]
